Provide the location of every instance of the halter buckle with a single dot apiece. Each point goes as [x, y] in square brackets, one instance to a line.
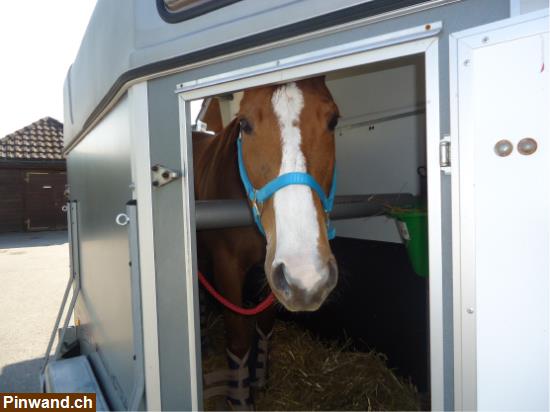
[254, 202]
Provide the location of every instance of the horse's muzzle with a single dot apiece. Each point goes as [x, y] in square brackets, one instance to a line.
[294, 296]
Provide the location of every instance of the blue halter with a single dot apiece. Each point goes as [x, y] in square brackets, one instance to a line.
[259, 196]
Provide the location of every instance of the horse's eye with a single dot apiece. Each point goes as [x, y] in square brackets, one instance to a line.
[333, 122]
[246, 127]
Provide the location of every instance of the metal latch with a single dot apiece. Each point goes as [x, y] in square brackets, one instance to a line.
[161, 175]
[445, 154]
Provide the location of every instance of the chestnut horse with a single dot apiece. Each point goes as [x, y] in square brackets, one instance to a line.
[281, 129]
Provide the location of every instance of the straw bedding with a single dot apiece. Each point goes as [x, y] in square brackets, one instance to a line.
[307, 374]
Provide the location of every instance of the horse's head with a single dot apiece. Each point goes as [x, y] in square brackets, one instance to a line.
[290, 128]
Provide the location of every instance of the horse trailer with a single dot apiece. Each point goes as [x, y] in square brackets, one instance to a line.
[444, 102]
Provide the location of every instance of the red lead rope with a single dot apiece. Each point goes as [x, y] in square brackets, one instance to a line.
[237, 309]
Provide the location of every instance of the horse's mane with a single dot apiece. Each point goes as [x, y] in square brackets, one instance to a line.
[224, 144]
[219, 157]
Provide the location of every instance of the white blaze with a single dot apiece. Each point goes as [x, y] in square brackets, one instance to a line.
[297, 228]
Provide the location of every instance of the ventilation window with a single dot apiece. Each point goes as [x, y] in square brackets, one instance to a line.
[174, 11]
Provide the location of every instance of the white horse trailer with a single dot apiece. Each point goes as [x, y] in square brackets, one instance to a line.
[459, 87]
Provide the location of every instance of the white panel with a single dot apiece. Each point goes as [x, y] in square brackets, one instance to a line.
[436, 304]
[511, 226]
[503, 94]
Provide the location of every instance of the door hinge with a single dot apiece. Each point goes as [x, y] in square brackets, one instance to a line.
[161, 175]
[445, 154]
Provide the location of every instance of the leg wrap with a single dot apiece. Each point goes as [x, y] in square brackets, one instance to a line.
[238, 392]
[233, 383]
[260, 359]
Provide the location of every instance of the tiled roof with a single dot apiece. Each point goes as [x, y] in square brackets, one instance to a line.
[41, 140]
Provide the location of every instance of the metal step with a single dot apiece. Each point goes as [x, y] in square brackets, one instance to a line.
[73, 375]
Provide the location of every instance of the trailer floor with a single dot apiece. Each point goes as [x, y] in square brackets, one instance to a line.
[34, 270]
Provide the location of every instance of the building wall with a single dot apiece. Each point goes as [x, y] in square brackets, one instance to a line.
[20, 197]
[11, 200]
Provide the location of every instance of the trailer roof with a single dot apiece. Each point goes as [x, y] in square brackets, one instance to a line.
[126, 40]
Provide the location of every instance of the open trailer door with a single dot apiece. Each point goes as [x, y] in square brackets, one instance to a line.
[501, 244]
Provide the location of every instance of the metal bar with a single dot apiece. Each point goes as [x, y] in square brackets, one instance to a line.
[75, 243]
[139, 375]
[355, 206]
[66, 323]
[75, 275]
[56, 325]
[219, 214]
[65, 294]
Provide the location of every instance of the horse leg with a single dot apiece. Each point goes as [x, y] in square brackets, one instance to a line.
[259, 362]
[229, 278]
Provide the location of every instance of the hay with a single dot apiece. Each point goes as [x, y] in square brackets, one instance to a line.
[306, 374]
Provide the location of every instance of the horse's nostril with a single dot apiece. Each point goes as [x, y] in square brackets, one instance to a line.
[279, 279]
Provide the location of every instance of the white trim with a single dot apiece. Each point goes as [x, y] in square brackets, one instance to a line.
[191, 284]
[141, 176]
[433, 136]
[455, 217]
[371, 43]
[462, 161]
[310, 69]
[429, 47]
[466, 242]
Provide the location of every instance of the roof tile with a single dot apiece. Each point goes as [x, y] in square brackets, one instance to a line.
[42, 139]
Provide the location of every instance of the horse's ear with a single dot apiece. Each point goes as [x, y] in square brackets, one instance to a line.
[318, 79]
[316, 83]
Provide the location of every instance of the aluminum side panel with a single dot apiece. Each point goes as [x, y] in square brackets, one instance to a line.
[99, 177]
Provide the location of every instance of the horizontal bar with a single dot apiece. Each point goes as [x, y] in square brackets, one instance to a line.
[220, 214]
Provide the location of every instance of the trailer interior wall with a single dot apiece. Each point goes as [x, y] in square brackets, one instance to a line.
[380, 138]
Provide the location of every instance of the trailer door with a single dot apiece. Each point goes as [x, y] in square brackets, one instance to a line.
[501, 214]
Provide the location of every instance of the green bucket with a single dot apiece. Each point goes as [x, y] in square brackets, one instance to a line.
[413, 228]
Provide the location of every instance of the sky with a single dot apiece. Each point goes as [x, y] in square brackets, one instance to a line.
[39, 40]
